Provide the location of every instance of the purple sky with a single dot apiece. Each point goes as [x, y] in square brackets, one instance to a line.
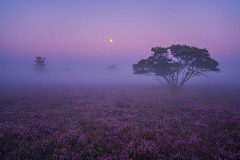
[82, 29]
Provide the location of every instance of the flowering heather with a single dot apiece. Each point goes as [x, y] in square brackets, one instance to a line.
[118, 122]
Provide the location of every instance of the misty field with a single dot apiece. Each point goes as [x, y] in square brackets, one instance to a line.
[119, 122]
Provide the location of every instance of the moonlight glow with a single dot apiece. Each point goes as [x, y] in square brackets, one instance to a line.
[110, 40]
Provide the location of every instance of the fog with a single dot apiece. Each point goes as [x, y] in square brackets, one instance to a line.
[79, 71]
[70, 71]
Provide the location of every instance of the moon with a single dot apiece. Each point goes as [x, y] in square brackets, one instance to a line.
[111, 40]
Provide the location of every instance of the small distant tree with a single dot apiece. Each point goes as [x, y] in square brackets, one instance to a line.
[39, 64]
[176, 64]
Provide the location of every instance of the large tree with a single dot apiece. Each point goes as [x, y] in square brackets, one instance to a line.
[176, 64]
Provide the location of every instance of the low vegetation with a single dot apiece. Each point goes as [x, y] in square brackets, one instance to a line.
[118, 123]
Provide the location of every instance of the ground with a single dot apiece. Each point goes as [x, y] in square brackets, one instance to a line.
[118, 122]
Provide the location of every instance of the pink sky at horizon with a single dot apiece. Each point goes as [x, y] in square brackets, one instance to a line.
[83, 29]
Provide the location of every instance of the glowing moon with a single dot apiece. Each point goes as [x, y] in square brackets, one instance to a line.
[110, 40]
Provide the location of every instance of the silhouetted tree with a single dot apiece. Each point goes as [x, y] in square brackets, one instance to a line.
[39, 64]
[176, 64]
[111, 68]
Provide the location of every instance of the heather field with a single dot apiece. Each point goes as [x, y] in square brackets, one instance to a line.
[118, 122]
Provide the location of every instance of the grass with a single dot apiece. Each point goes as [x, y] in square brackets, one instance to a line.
[118, 122]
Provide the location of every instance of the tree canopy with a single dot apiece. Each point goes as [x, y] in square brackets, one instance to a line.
[39, 64]
[176, 64]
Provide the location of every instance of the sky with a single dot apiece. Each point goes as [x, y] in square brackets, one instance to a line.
[68, 32]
